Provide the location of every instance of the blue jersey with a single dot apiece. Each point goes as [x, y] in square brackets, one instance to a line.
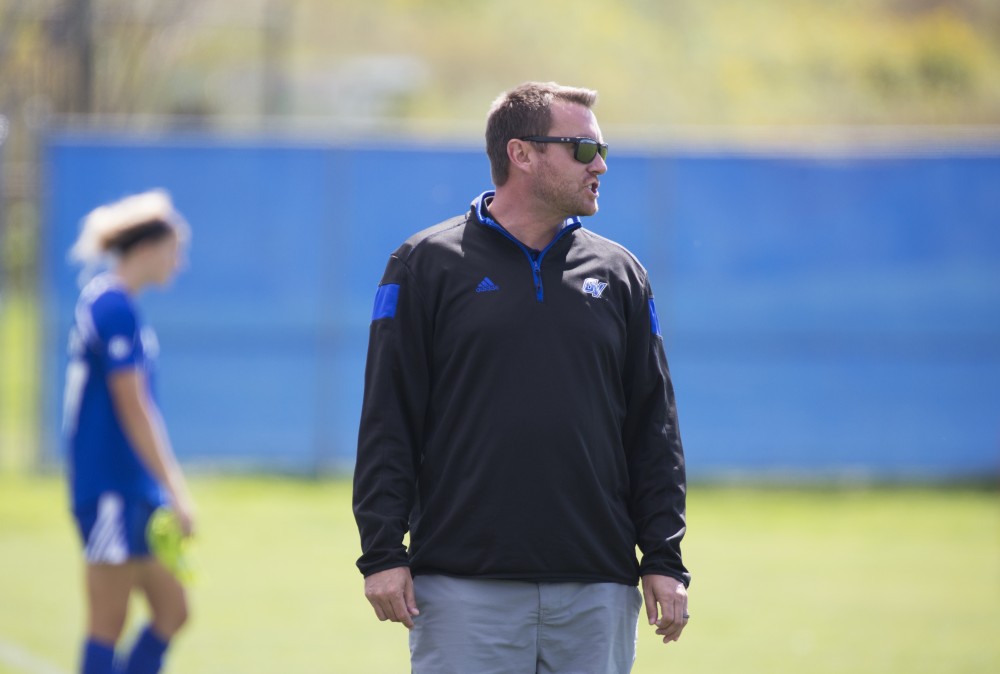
[107, 336]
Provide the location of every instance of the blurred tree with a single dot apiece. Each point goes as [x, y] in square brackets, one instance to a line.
[682, 62]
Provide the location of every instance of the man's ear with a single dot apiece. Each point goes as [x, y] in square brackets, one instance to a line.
[520, 153]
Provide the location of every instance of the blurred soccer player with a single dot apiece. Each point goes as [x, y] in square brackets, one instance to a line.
[121, 465]
[519, 421]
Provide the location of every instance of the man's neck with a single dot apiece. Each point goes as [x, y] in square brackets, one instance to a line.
[529, 226]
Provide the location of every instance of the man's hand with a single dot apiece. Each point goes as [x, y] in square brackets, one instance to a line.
[390, 593]
[666, 605]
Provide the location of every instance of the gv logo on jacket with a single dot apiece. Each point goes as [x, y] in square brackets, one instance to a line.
[593, 286]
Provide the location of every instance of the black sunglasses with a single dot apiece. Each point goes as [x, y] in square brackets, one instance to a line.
[584, 149]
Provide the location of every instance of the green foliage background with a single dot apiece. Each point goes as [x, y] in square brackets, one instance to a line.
[692, 61]
[655, 62]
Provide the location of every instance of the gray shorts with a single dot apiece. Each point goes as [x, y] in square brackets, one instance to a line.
[469, 626]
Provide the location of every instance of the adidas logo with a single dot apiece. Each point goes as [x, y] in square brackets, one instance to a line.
[486, 286]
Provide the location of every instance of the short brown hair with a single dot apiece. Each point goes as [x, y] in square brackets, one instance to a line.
[525, 110]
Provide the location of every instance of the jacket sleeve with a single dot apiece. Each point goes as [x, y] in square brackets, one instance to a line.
[653, 446]
[392, 419]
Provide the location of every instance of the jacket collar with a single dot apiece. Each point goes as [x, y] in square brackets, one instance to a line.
[481, 212]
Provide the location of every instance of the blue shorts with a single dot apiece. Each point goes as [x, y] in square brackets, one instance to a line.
[113, 530]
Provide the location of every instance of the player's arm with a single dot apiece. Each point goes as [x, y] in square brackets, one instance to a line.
[143, 426]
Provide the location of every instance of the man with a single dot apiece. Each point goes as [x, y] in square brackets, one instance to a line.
[519, 422]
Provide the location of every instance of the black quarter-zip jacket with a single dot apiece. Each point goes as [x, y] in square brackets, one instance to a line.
[518, 416]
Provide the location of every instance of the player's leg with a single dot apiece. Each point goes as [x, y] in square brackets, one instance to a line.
[169, 610]
[167, 598]
[466, 625]
[109, 579]
[165, 595]
[108, 589]
[588, 627]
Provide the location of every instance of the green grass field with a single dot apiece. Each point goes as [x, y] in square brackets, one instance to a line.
[19, 338]
[810, 581]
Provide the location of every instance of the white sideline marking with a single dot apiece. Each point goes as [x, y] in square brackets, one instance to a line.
[20, 659]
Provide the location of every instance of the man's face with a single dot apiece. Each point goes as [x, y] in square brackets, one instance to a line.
[565, 184]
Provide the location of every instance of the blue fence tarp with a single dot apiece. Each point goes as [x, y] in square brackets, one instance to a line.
[822, 315]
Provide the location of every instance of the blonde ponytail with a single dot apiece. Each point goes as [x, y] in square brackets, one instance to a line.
[111, 222]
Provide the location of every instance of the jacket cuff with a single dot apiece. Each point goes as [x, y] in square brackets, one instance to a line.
[664, 568]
